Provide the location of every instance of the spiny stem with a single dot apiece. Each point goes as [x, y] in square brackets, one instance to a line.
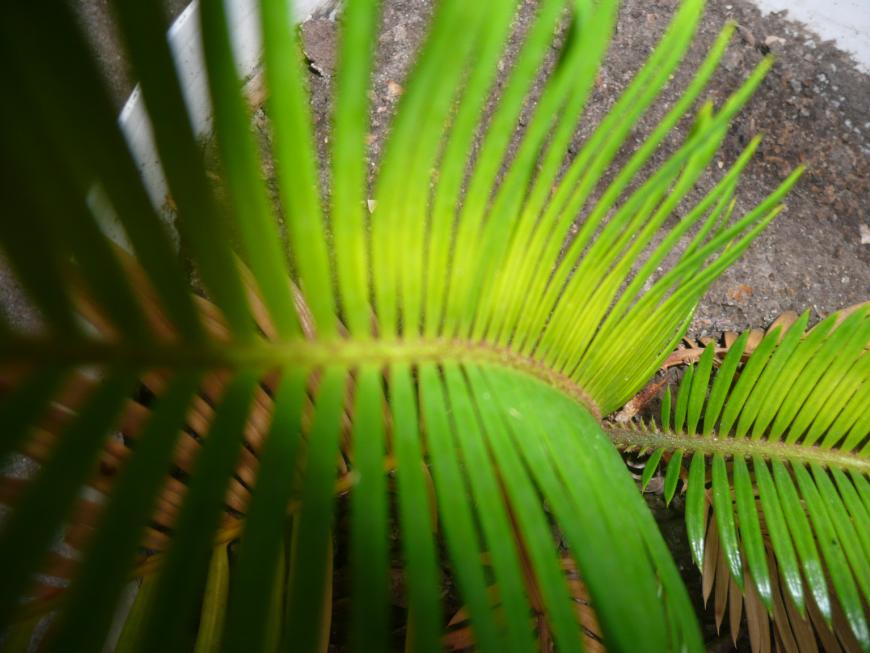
[745, 447]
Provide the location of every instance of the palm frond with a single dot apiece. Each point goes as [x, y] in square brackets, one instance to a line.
[777, 442]
[456, 337]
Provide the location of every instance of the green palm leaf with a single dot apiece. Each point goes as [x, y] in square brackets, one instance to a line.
[456, 337]
[795, 408]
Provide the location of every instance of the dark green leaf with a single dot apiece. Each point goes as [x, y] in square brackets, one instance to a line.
[650, 468]
[724, 507]
[750, 532]
[259, 551]
[748, 376]
[22, 407]
[700, 382]
[313, 528]
[104, 571]
[591, 528]
[666, 409]
[844, 528]
[672, 476]
[459, 528]
[696, 507]
[186, 565]
[835, 561]
[683, 400]
[527, 510]
[777, 529]
[28, 531]
[415, 515]
[803, 539]
[489, 499]
[214, 603]
[368, 531]
[199, 217]
[85, 127]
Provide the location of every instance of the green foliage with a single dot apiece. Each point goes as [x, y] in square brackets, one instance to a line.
[795, 407]
[458, 337]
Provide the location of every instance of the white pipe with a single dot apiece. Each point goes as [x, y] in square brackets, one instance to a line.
[186, 45]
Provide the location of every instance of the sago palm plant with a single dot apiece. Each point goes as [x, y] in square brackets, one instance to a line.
[202, 388]
[797, 415]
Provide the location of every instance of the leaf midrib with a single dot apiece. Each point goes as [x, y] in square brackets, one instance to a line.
[744, 447]
[312, 354]
[354, 352]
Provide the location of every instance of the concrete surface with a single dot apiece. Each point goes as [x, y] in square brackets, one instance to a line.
[846, 22]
